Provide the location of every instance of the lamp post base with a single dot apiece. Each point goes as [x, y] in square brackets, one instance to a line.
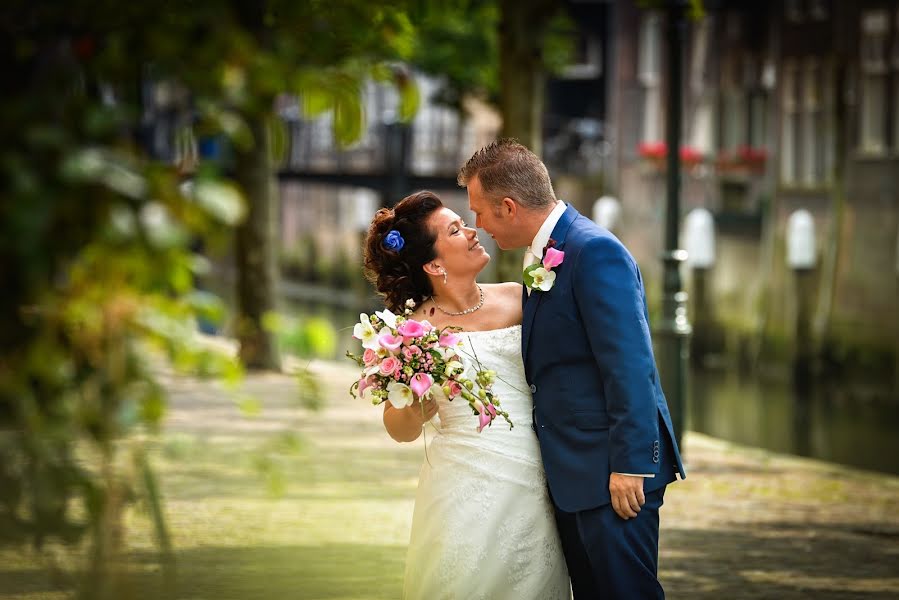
[673, 343]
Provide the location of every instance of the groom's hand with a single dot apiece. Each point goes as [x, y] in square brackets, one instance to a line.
[627, 495]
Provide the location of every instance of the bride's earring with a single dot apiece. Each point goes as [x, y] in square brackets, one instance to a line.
[444, 276]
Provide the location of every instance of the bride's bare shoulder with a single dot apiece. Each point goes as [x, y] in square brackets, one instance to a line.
[507, 289]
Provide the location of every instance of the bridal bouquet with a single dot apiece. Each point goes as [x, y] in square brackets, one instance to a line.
[403, 359]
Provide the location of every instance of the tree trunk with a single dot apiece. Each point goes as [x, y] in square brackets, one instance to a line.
[522, 26]
[255, 251]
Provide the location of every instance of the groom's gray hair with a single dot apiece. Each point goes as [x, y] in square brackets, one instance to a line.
[507, 168]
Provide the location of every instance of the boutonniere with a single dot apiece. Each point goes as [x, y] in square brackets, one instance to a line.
[540, 276]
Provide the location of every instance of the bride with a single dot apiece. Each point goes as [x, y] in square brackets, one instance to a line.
[483, 523]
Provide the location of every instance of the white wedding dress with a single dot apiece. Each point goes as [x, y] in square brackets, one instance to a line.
[483, 524]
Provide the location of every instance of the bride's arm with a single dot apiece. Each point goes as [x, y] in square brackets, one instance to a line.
[404, 424]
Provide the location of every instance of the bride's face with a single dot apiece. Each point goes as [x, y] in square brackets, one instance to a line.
[457, 246]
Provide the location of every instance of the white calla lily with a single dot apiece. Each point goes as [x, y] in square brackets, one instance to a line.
[399, 395]
[543, 279]
[453, 366]
[388, 317]
[365, 332]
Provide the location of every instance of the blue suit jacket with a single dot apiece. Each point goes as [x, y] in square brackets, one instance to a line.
[598, 404]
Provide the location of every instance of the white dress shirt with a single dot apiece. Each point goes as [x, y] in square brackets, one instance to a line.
[542, 238]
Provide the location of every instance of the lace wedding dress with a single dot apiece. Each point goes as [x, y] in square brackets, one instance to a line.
[483, 524]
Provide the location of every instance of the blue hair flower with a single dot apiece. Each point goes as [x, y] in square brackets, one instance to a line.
[394, 241]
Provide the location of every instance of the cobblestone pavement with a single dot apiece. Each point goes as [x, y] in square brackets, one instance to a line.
[746, 523]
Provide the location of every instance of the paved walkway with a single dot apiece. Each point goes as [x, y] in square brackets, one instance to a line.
[745, 524]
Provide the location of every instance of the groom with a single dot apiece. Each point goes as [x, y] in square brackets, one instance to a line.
[599, 413]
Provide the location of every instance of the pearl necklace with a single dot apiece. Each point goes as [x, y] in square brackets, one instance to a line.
[467, 311]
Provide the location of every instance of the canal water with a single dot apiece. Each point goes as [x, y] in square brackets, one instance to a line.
[834, 423]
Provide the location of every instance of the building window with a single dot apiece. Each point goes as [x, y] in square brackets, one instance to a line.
[789, 124]
[873, 52]
[811, 121]
[807, 127]
[734, 113]
[702, 125]
[758, 113]
[828, 122]
[649, 74]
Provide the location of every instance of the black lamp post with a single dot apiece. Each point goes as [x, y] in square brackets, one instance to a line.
[674, 329]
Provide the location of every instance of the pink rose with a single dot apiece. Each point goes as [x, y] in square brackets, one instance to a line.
[553, 258]
[447, 340]
[389, 365]
[455, 389]
[370, 357]
[421, 383]
[411, 329]
[407, 352]
[390, 341]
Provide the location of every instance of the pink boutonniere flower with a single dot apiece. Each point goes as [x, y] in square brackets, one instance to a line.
[540, 276]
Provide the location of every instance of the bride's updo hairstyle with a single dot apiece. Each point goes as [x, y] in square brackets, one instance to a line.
[398, 245]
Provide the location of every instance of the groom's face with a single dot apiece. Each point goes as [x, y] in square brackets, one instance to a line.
[489, 216]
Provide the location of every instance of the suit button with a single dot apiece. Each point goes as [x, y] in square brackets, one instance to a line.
[533, 389]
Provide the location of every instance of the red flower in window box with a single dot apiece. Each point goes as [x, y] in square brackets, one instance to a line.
[752, 157]
[653, 150]
[658, 151]
[690, 156]
[745, 159]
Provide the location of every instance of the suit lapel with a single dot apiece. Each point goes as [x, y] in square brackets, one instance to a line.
[532, 302]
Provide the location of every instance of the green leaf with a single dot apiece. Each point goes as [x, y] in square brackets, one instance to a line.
[310, 391]
[235, 127]
[152, 406]
[410, 99]
[279, 139]
[249, 406]
[288, 443]
[121, 222]
[221, 200]
[273, 321]
[348, 119]
[382, 73]
[95, 165]
[161, 229]
[206, 305]
[314, 95]
[180, 277]
[321, 338]
[528, 277]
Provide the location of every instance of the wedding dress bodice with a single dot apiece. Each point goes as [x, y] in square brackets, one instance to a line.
[499, 350]
[483, 525]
